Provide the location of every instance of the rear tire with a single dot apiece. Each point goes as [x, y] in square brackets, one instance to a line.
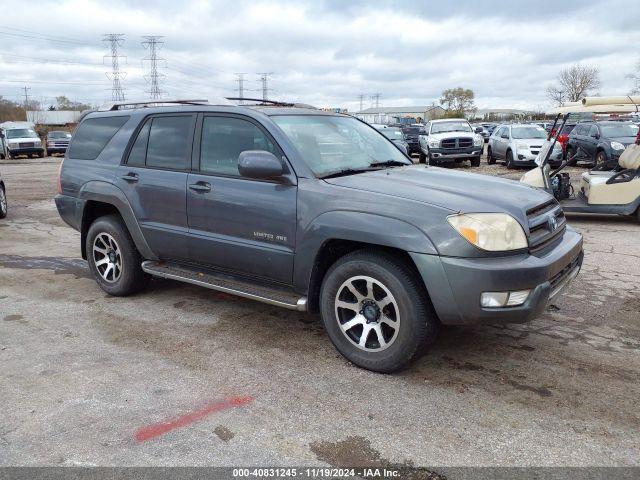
[509, 158]
[380, 295]
[113, 258]
[3, 203]
[490, 158]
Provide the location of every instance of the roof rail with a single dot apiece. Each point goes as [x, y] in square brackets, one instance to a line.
[263, 101]
[149, 103]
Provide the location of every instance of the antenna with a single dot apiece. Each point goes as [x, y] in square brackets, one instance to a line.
[113, 41]
[153, 43]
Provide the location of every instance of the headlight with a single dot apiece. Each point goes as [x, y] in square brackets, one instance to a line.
[37, 142]
[434, 142]
[617, 146]
[496, 232]
[522, 146]
[477, 141]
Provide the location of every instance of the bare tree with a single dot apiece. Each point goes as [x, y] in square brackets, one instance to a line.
[635, 90]
[574, 83]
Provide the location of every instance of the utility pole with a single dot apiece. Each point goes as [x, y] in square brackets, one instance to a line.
[264, 78]
[113, 41]
[153, 43]
[361, 98]
[26, 95]
[240, 81]
[376, 98]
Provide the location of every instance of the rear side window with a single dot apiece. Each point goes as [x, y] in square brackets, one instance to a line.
[93, 135]
[169, 142]
[138, 152]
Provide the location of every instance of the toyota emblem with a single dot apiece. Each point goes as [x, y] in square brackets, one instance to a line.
[553, 223]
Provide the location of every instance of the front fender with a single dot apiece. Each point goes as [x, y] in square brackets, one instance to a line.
[105, 192]
[358, 227]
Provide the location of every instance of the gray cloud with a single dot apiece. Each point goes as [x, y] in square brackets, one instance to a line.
[321, 52]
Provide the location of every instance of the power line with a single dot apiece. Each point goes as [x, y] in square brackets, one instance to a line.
[153, 43]
[69, 39]
[240, 81]
[113, 41]
[45, 39]
[264, 78]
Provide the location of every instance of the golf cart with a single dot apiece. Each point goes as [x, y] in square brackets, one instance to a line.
[616, 192]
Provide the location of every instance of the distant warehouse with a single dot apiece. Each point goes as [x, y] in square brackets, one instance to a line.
[54, 117]
[386, 115]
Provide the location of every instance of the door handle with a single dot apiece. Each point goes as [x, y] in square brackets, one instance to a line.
[200, 187]
[130, 177]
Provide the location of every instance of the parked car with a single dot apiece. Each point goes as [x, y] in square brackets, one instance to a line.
[484, 131]
[411, 135]
[563, 136]
[22, 139]
[450, 140]
[519, 145]
[600, 143]
[312, 211]
[57, 141]
[3, 198]
[4, 151]
[396, 135]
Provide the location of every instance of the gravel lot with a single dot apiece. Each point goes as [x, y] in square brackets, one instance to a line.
[83, 373]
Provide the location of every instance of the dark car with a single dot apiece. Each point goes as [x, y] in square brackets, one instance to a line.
[600, 143]
[396, 135]
[3, 198]
[412, 134]
[57, 141]
[312, 211]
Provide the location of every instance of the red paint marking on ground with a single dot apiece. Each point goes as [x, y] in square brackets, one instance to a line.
[151, 431]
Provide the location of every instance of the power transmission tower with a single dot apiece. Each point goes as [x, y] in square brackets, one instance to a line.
[153, 43]
[361, 98]
[26, 95]
[376, 98]
[264, 78]
[240, 81]
[113, 41]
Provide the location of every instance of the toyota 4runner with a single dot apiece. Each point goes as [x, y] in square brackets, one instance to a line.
[312, 211]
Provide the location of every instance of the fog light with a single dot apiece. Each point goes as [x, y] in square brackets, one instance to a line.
[504, 299]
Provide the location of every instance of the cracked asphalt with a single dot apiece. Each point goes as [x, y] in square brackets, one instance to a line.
[82, 373]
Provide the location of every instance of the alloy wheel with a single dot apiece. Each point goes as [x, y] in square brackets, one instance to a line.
[3, 202]
[367, 313]
[107, 257]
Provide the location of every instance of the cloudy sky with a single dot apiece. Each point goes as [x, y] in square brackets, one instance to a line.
[324, 52]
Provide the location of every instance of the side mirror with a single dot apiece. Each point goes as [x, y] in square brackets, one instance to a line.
[478, 130]
[596, 136]
[1, 134]
[259, 164]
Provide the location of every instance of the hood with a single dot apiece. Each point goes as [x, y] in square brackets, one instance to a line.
[449, 189]
[22, 139]
[444, 135]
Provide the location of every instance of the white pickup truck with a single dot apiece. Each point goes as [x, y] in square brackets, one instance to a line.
[451, 140]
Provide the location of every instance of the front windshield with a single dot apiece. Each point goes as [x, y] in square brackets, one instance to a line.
[392, 133]
[619, 130]
[450, 127]
[528, 132]
[21, 133]
[331, 144]
[59, 135]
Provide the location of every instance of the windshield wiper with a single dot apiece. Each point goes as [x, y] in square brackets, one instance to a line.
[389, 163]
[346, 171]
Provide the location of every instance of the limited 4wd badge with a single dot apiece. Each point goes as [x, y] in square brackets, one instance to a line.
[269, 236]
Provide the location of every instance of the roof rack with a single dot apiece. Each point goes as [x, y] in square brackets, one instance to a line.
[149, 103]
[263, 101]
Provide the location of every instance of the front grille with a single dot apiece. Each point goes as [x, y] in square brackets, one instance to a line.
[26, 144]
[547, 223]
[558, 277]
[457, 142]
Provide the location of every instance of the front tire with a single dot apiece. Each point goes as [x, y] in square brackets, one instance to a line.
[422, 158]
[375, 311]
[3, 203]
[490, 158]
[475, 162]
[113, 258]
[571, 155]
[510, 165]
[601, 160]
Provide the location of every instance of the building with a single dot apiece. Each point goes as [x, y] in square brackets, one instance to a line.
[387, 115]
[500, 114]
[54, 117]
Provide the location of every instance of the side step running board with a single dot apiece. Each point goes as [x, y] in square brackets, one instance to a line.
[227, 284]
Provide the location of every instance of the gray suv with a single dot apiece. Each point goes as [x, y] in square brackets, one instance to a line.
[311, 211]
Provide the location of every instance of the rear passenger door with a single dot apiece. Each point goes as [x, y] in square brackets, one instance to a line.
[239, 224]
[154, 179]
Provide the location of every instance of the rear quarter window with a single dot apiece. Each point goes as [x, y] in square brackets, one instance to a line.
[92, 136]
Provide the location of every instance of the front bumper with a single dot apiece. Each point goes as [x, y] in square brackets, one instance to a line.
[456, 284]
[526, 158]
[26, 151]
[441, 154]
